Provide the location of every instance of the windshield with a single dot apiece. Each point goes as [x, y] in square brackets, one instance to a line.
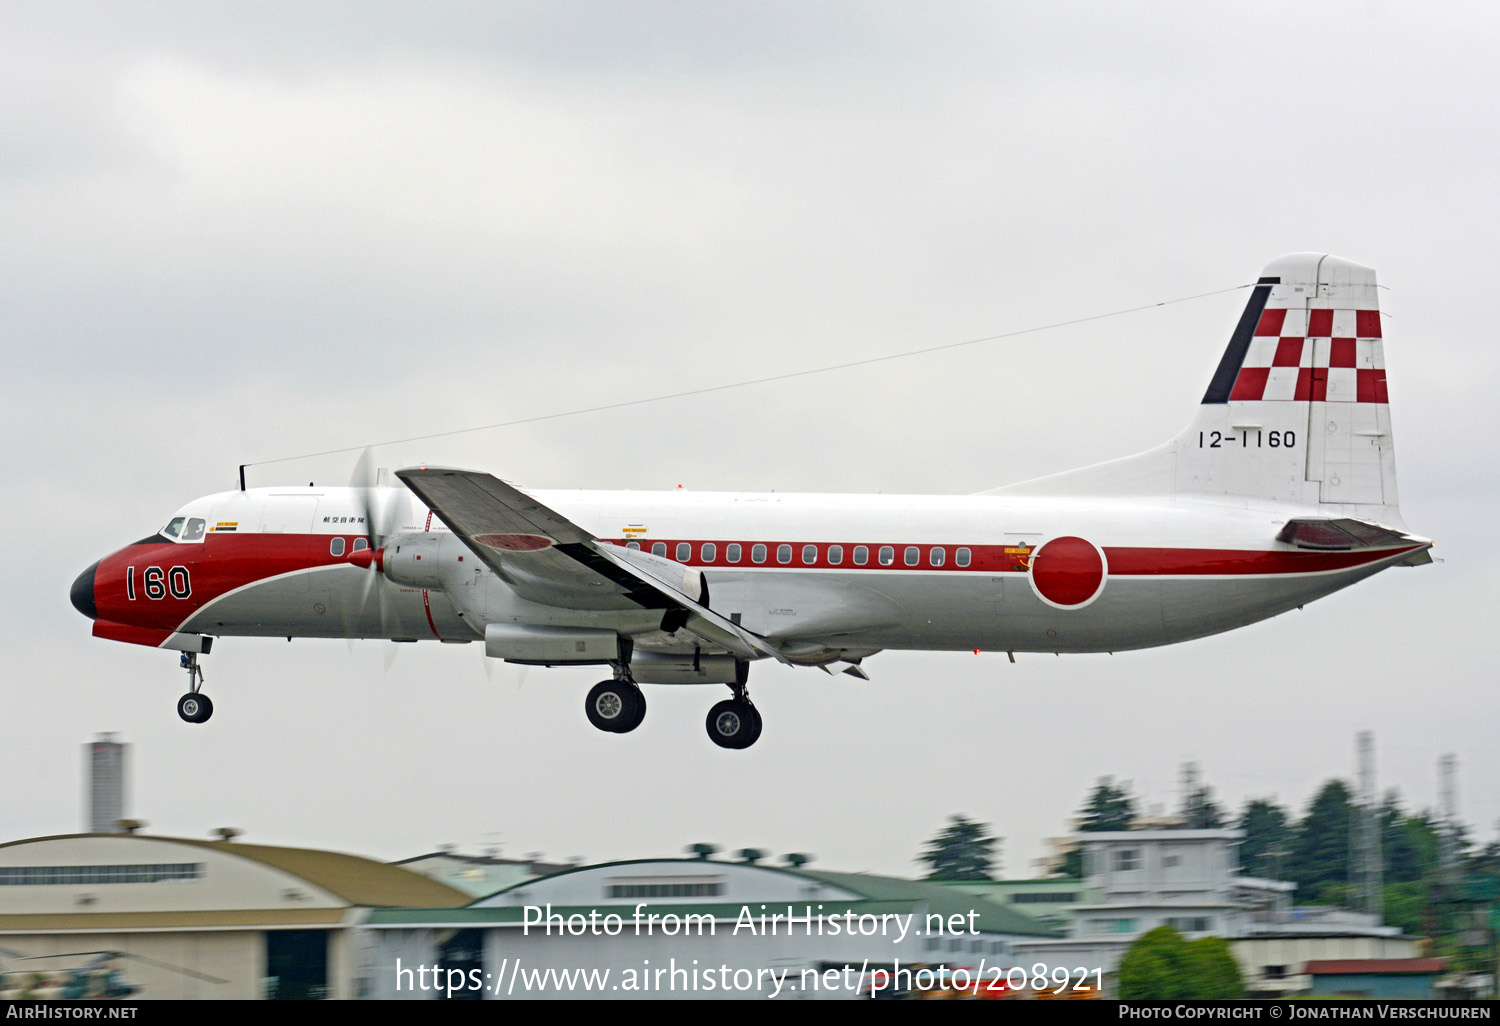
[185, 529]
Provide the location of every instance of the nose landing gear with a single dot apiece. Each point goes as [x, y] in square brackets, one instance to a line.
[194, 707]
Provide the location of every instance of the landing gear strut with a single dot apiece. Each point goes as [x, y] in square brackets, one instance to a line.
[194, 707]
[734, 722]
[616, 706]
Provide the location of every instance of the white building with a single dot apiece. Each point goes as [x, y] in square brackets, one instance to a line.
[690, 928]
[1137, 880]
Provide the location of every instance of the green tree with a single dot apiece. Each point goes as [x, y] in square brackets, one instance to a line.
[1319, 863]
[963, 850]
[1201, 812]
[1071, 865]
[1107, 807]
[1157, 967]
[1268, 839]
[1216, 975]
[1161, 966]
[1408, 844]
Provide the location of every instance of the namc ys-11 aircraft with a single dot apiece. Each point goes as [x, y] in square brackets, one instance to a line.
[1281, 490]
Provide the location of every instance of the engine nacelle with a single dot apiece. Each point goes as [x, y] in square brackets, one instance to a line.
[421, 559]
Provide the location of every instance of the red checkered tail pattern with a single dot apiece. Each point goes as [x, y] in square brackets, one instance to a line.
[1296, 413]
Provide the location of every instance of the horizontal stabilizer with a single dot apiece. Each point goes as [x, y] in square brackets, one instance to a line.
[1344, 534]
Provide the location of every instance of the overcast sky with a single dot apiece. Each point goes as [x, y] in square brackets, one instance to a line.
[244, 231]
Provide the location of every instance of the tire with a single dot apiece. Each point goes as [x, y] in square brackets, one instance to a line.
[637, 711]
[195, 708]
[615, 707]
[733, 724]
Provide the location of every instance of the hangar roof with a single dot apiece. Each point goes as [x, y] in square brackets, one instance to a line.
[871, 895]
[351, 878]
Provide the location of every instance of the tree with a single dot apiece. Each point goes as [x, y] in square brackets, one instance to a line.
[1268, 838]
[1071, 864]
[963, 850]
[1201, 812]
[1161, 966]
[1319, 863]
[1216, 975]
[1157, 967]
[1107, 807]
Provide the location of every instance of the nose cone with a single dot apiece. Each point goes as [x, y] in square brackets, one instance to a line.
[83, 593]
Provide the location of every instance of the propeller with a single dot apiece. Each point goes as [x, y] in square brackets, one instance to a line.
[373, 508]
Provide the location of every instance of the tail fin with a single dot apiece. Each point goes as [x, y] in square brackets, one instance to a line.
[1296, 411]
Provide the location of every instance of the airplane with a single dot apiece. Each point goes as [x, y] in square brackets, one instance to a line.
[1281, 490]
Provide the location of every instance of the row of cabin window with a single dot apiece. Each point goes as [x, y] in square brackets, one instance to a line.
[885, 555]
[336, 547]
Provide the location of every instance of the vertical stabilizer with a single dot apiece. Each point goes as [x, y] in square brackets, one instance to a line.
[1296, 411]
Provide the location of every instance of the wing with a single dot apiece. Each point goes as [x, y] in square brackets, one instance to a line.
[547, 558]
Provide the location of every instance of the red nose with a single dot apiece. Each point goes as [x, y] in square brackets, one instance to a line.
[369, 557]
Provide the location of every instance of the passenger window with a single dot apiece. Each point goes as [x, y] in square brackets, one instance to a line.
[659, 549]
[887, 555]
[684, 552]
[633, 545]
[359, 543]
[710, 551]
[835, 554]
[336, 547]
[194, 530]
[732, 552]
[757, 553]
[938, 556]
[961, 557]
[861, 555]
[913, 555]
[809, 555]
[173, 529]
[783, 553]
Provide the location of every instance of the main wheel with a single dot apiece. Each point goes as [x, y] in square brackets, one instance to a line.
[615, 706]
[637, 709]
[733, 724]
[195, 707]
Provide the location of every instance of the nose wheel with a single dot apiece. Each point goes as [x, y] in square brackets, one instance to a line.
[194, 707]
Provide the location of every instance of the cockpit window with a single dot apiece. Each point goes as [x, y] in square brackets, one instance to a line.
[193, 531]
[174, 529]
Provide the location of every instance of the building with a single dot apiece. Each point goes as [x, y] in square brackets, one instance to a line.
[104, 762]
[1137, 880]
[1047, 900]
[196, 919]
[477, 875]
[695, 928]
[1383, 979]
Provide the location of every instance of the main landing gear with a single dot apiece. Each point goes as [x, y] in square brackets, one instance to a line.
[194, 707]
[616, 706]
[734, 722]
